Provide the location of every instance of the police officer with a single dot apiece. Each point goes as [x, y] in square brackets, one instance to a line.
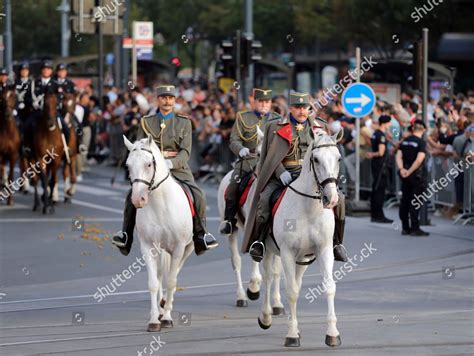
[173, 134]
[41, 86]
[379, 156]
[62, 83]
[22, 87]
[284, 147]
[3, 79]
[243, 143]
[410, 157]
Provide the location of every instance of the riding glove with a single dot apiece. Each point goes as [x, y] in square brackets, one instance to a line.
[286, 178]
[244, 152]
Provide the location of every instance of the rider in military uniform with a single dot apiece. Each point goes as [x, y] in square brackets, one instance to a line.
[173, 134]
[22, 87]
[40, 87]
[63, 85]
[287, 157]
[243, 143]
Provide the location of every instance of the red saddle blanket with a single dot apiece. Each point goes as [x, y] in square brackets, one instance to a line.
[278, 201]
[245, 193]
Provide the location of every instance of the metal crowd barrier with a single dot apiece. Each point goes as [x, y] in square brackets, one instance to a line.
[440, 167]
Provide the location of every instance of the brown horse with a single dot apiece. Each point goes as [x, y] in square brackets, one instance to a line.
[9, 136]
[70, 161]
[47, 152]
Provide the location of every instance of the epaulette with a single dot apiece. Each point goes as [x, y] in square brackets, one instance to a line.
[182, 116]
[145, 126]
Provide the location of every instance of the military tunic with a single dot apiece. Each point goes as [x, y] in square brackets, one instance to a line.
[173, 137]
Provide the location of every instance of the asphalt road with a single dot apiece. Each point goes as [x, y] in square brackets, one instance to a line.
[410, 296]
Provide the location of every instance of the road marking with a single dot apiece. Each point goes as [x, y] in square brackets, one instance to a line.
[95, 206]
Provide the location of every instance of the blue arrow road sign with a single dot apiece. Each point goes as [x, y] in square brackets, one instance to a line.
[358, 100]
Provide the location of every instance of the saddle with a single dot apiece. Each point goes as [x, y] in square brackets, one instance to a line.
[275, 199]
[244, 188]
[189, 195]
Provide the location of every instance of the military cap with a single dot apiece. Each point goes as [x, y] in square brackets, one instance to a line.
[261, 94]
[3, 71]
[169, 90]
[61, 66]
[46, 64]
[24, 65]
[298, 99]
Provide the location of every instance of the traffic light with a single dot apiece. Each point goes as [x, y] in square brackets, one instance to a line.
[227, 58]
[416, 79]
[249, 53]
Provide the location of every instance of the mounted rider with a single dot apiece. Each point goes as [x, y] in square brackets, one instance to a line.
[284, 147]
[172, 133]
[243, 143]
[22, 87]
[63, 85]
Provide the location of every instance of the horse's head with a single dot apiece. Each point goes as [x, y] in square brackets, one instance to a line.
[50, 108]
[147, 169]
[7, 103]
[69, 103]
[325, 158]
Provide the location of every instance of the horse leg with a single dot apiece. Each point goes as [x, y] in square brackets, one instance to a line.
[36, 203]
[236, 261]
[326, 262]
[153, 286]
[44, 185]
[278, 308]
[54, 182]
[176, 258]
[265, 318]
[11, 176]
[72, 190]
[253, 290]
[67, 181]
[23, 168]
[289, 267]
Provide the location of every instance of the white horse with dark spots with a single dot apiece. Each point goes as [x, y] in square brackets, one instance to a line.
[253, 290]
[308, 202]
[163, 222]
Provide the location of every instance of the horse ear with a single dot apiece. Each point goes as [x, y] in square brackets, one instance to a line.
[128, 144]
[338, 135]
[150, 141]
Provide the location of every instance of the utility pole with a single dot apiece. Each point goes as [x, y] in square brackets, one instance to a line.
[424, 220]
[237, 71]
[8, 36]
[100, 48]
[65, 30]
[125, 55]
[357, 152]
[248, 33]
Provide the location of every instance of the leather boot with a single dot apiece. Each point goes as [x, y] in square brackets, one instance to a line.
[203, 240]
[257, 249]
[340, 253]
[124, 239]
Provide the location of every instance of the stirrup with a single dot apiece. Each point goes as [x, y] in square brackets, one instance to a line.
[120, 234]
[257, 258]
[212, 242]
[223, 225]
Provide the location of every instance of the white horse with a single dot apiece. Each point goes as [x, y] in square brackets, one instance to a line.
[163, 224]
[253, 290]
[308, 202]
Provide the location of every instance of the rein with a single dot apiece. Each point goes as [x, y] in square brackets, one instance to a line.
[322, 184]
[150, 185]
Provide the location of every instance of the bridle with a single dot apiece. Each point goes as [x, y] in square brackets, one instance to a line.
[320, 185]
[150, 184]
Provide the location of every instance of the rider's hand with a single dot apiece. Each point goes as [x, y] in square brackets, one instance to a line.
[244, 152]
[169, 163]
[286, 178]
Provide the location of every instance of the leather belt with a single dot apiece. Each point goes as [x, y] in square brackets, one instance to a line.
[167, 154]
[292, 162]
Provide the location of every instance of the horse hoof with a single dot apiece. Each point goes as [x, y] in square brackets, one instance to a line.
[168, 324]
[263, 326]
[160, 317]
[242, 303]
[67, 200]
[278, 311]
[292, 342]
[162, 303]
[333, 341]
[253, 295]
[153, 328]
